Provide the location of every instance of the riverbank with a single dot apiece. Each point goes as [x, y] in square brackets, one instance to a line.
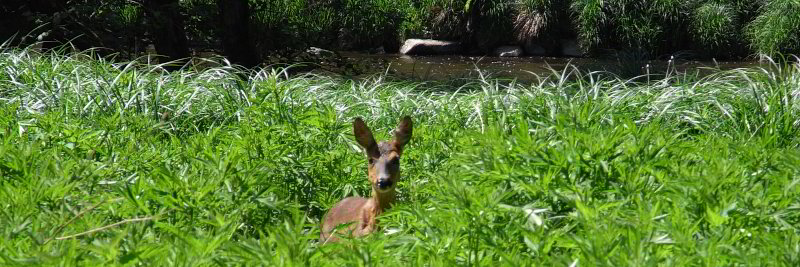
[703, 30]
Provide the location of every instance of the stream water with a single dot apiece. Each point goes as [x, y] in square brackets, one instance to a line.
[524, 68]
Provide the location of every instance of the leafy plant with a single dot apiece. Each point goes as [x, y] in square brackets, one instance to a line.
[775, 29]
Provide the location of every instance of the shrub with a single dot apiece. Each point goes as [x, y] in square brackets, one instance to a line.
[776, 29]
[715, 27]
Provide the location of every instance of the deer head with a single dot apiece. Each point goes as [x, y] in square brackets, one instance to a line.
[384, 157]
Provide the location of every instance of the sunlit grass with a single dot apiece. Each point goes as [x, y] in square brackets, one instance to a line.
[124, 164]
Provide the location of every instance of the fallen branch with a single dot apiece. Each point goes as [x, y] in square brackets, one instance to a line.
[80, 214]
[108, 226]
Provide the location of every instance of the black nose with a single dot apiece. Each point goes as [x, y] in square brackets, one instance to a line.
[384, 183]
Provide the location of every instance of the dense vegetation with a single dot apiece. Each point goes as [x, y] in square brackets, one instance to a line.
[646, 29]
[125, 164]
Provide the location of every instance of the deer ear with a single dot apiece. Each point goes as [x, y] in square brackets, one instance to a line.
[403, 132]
[364, 138]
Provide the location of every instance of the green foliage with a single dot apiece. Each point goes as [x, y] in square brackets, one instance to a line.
[590, 21]
[445, 19]
[714, 25]
[481, 24]
[124, 164]
[347, 24]
[639, 26]
[291, 23]
[373, 22]
[87, 24]
[657, 28]
[777, 28]
[495, 26]
[201, 22]
[541, 19]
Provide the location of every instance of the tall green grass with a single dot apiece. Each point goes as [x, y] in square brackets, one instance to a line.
[125, 164]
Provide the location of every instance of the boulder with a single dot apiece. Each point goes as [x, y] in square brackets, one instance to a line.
[429, 47]
[316, 51]
[508, 51]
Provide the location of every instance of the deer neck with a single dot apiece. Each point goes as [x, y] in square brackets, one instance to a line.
[382, 201]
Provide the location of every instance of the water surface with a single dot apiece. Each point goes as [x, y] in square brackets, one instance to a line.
[524, 68]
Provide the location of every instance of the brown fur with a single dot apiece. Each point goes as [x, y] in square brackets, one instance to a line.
[384, 161]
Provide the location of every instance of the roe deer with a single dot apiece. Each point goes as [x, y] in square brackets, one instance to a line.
[383, 171]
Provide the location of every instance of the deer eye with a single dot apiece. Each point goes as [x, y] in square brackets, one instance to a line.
[371, 160]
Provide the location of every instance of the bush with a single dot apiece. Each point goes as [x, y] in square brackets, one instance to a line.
[777, 28]
[292, 24]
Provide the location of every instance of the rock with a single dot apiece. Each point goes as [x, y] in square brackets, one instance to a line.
[534, 49]
[316, 51]
[429, 47]
[570, 48]
[508, 51]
